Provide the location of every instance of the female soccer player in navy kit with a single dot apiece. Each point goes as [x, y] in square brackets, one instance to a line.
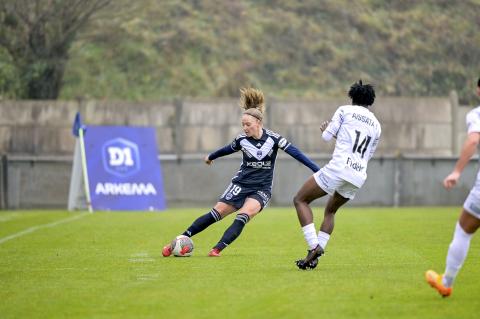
[251, 187]
[357, 132]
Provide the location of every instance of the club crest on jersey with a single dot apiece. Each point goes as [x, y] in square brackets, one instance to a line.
[258, 153]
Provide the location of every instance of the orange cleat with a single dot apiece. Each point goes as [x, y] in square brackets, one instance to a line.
[167, 250]
[215, 252]
[185, 250]
[435, 280]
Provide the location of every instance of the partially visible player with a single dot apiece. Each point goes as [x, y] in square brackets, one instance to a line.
[469, 219]
[251, 187]
[357, 131]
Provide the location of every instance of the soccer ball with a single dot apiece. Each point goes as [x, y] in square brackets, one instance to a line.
[182, 246]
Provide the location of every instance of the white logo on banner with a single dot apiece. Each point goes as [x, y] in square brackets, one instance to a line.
[129, 189]
[120, 156]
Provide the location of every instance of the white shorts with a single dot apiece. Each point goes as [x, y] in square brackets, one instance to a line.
[331, 184]
[472, 203]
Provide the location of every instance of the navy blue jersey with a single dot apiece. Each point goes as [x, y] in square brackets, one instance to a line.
[259, 158]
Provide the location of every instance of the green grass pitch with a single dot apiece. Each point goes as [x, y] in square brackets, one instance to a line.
[109, 265]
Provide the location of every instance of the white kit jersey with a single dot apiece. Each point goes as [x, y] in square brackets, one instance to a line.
[473, 125]
[357, 131]
[473, 120]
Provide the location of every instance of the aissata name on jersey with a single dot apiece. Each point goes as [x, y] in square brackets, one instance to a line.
[363, 118]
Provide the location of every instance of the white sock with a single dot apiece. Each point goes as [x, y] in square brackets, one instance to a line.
[323, 239]
[310, 235]
[457, 252]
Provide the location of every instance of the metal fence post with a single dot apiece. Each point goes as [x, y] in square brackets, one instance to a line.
[178, 129]
[4, 182]
[397, 180]
[454, 118]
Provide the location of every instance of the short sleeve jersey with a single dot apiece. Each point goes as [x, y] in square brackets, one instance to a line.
[473, 124]
[259, 158]
[473, 120]
[357, 131]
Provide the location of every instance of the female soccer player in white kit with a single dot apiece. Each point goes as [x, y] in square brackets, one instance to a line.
[357, 131]
[469, 219]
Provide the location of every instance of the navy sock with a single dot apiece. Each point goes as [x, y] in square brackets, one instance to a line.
[203, 222]
[233, 231]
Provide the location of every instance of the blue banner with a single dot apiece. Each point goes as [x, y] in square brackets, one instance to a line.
[123, 168]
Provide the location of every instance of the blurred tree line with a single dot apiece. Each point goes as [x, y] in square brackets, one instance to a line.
[150, 49]
[35, 39]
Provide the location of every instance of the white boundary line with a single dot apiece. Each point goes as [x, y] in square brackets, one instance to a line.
[35, 228]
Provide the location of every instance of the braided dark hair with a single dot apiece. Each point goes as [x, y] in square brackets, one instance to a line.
[362, 94]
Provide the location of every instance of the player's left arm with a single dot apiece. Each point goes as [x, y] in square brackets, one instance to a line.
[294, 152]
[330, 128]
[326, 135]
[224, 151]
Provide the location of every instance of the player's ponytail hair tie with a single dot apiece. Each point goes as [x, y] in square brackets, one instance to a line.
[253, 102]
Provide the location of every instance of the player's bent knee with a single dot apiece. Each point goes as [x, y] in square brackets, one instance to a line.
[469, 222]
[302, 200]
[330, 210]
[221, 212]
[295, 200]
[299, 200]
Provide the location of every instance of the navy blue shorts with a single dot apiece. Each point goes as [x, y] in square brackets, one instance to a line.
[236, 195]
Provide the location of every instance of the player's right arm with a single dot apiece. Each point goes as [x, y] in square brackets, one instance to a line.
[224, 151]
[469, 147]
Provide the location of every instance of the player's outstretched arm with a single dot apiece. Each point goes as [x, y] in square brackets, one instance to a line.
[207, 160]
[226, 150]
[468, 149]
[299, 156]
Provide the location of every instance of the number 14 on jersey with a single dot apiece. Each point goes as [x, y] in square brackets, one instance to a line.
[362, 147]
